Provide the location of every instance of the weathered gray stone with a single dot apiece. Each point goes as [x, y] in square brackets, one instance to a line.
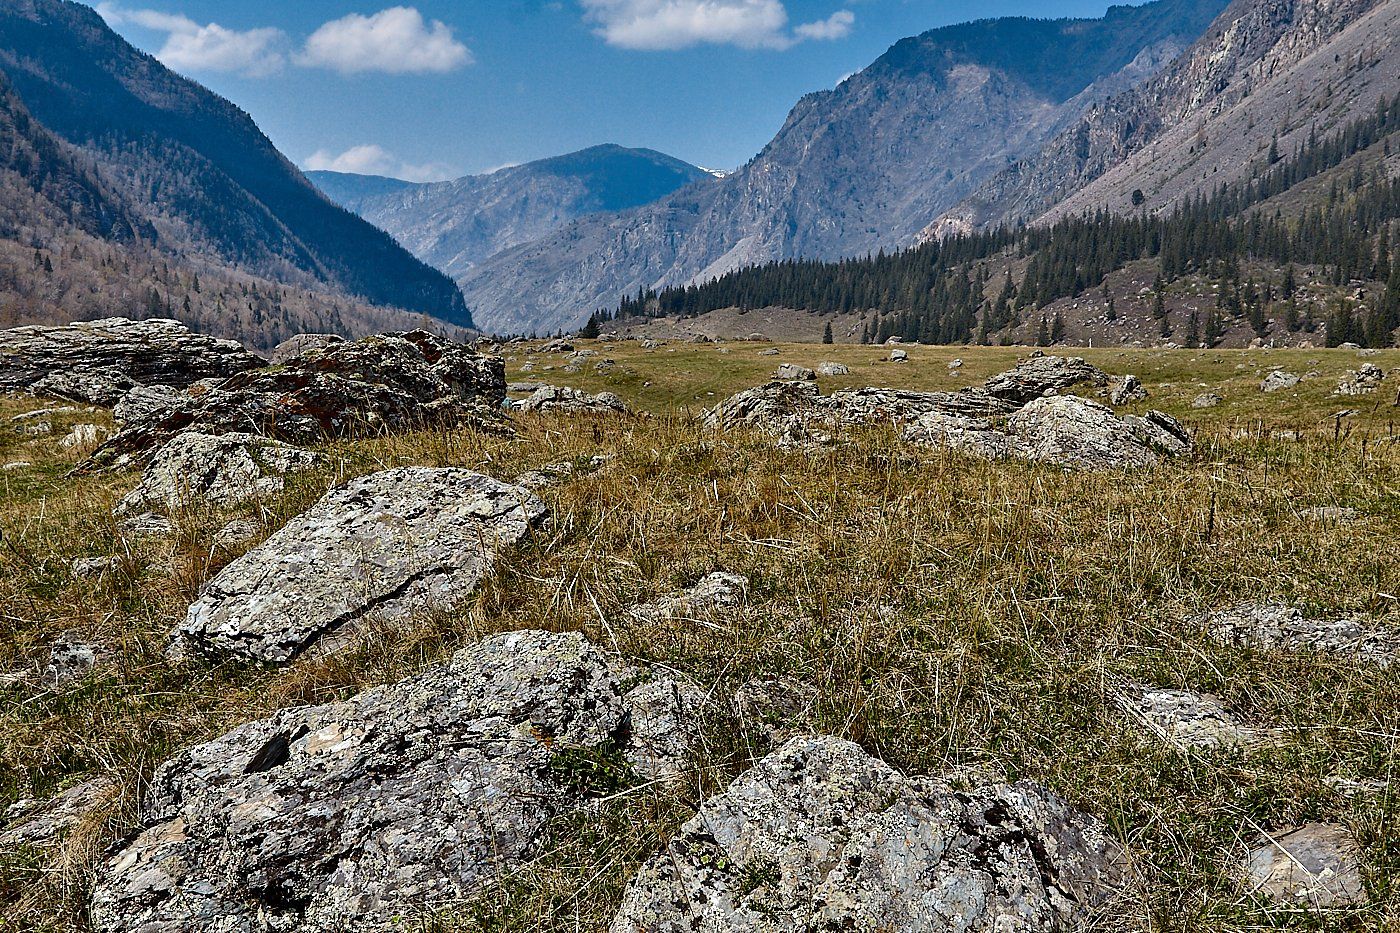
[1329, 514]
[48, 822]
[300, 344]
[373, 812]
[820, 836]
[223, 470]
[568, 400]
[1188, 720]
[1128, 389]
[384, 546]
[1206, 400]
[665, 718]
[1317, 865]
[552, 474]
[833, 369]
[776, 707]
[144, 403]
[1278, 380]
[83, 435]
[1276, 626]
[146, 525]
[99, 361]
[1041, 375]
[794, 371]
[71, 660]
[1365, 380]
[898, 355]
[237, 533]
[88, 568]
[716, 592]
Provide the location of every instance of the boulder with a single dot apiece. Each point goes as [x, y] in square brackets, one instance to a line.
[1276, 626]
[371, 813]
[293, 347]
[793, 371]
[833, 369]
[714, 593]
[1207, 400]
[1317, 865]
[1278, 380]
[385, 384]
[144, 403]
[384, 546]
[899, 356]
[1365, 380]
[1126, 391]
[221, 470]
[1188, 720]
[1041, 375]
[566, 400]
[97, 362]
[1064, 430]
[820, 836]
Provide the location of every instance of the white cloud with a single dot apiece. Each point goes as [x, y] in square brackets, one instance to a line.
[375, 160]
[836, 26]
[191, 46]
[678, 24]
[395, 41]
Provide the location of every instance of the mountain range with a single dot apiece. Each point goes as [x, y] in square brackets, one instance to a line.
[112, 144]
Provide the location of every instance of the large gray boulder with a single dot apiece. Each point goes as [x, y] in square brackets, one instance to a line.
[224, 470]
[367, 814]
[820, 836]
[1064, 430]
[385, 384]
[381, 547]
[97, 362]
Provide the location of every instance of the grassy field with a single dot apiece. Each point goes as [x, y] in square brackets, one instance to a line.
[951, 614]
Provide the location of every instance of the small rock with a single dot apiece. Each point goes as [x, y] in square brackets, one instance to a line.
[1189, 720]
[1266, 625]
[15, 466]
[898, 356]
[147, 525]
[83, 435]
[955, 365]
[776, 707]
[71, 660]
[1278, 380]
[1317, 865]
[237, 533]
[666, 717]
[771, 351]
[86, 568]
[716, 592]
[1365, 380]
[1207, 400]
[47, 823]
[1126, 391]
[42, 413]
[571, 401]
[833, 369]
[1326, 514]
[793, 371]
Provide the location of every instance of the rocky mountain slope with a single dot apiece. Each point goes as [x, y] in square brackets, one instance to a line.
[868, 164]
[155, 158]
[1266, 76]
[454, 225]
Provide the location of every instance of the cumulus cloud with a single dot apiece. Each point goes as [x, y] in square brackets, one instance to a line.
[678, 24]
[192, 46]
[396, 41]
[375, 160]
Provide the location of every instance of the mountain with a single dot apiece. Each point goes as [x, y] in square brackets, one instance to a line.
[1264, 78]
[455, 225]
[183, 171]
[868, 164]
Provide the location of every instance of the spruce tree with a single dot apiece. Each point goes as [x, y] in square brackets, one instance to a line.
[827, 336]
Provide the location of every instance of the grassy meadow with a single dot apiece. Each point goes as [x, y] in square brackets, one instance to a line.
[952, 615]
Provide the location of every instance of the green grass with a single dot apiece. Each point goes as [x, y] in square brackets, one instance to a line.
[951, 613]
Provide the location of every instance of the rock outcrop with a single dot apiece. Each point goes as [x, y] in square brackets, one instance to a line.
[223, 470]
[1275, 626]
[821, 836]
[384, 546]
[716, 592]
[1362, 381]
[363, 814]
[31, 823]
[387, 383]
[1317, 865]
[97, 362]
[301, 344]
[566, 400]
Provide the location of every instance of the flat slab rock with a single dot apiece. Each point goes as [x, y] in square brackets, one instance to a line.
[385, 546]
[225, 470]
[571, 401]
[1276, 626]
[48, 822]
[1064, 430]
[384, 384]
[820, 836]
[714, 593]
[1317, 865]
[362, 814]
[1188, 720]
[99, 361]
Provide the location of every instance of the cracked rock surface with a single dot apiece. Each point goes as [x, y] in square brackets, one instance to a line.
[359, 815]
[571, 401]
[385, 546]
[821, 836]
[1278, 626]
[715, 592]
[222, 470]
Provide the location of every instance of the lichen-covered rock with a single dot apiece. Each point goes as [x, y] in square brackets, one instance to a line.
[83, 435]
[820, 836]
[776, 707]
[794, 371]
[389, 383]
[571, 401]
[833, 369]
[144, 403]
[47, 822]
[385, 546]
[1269, 625]
[295, 346]
[375, 811]
[97, 362]
[1365, 380]
[665, 717]
[1278, 380]
[1128, 389]
[1206, 400]
[1317, 865]
[223, 470]
[716, 592]
[1064, 430]
[1042, 374]
[1188, 720]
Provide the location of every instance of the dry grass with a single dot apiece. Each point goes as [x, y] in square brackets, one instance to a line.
[951, 613]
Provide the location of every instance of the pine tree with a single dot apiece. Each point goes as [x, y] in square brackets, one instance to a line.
[1042, 334]
[1193, 329]
[827, 336]
[1057, 329]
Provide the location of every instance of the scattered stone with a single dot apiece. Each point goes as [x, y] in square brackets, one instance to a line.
[381, 809]
[898, 356]
[1317, 865]
[42, 413]
[833, 369]
[519, 388]
[1042, 375]
[566, 400]
[1189, 720]
[15, 466]
[821, 836]
[557, 346]
[97, 362]
[224, 470]
[1275, 626]
[665, 727]
[1128, 390]
[649, 344]
[88, 568]
[718, 591]
[144, 403]
[1356, 787]
[1207, 400]
[301, 344]
[147, 525]
[1365, 380]
[71, 660]
[385, 384]
[384, 546]
[793, 371]
[83, 435]
[237, 533]
[47, 823]
[771, 351]
[1329, 514]
[36, 428]
[1278, 380]
[776, 707]
[954, 365]
[551, 474]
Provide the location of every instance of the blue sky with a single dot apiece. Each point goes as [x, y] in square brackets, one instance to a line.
[437, 88]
